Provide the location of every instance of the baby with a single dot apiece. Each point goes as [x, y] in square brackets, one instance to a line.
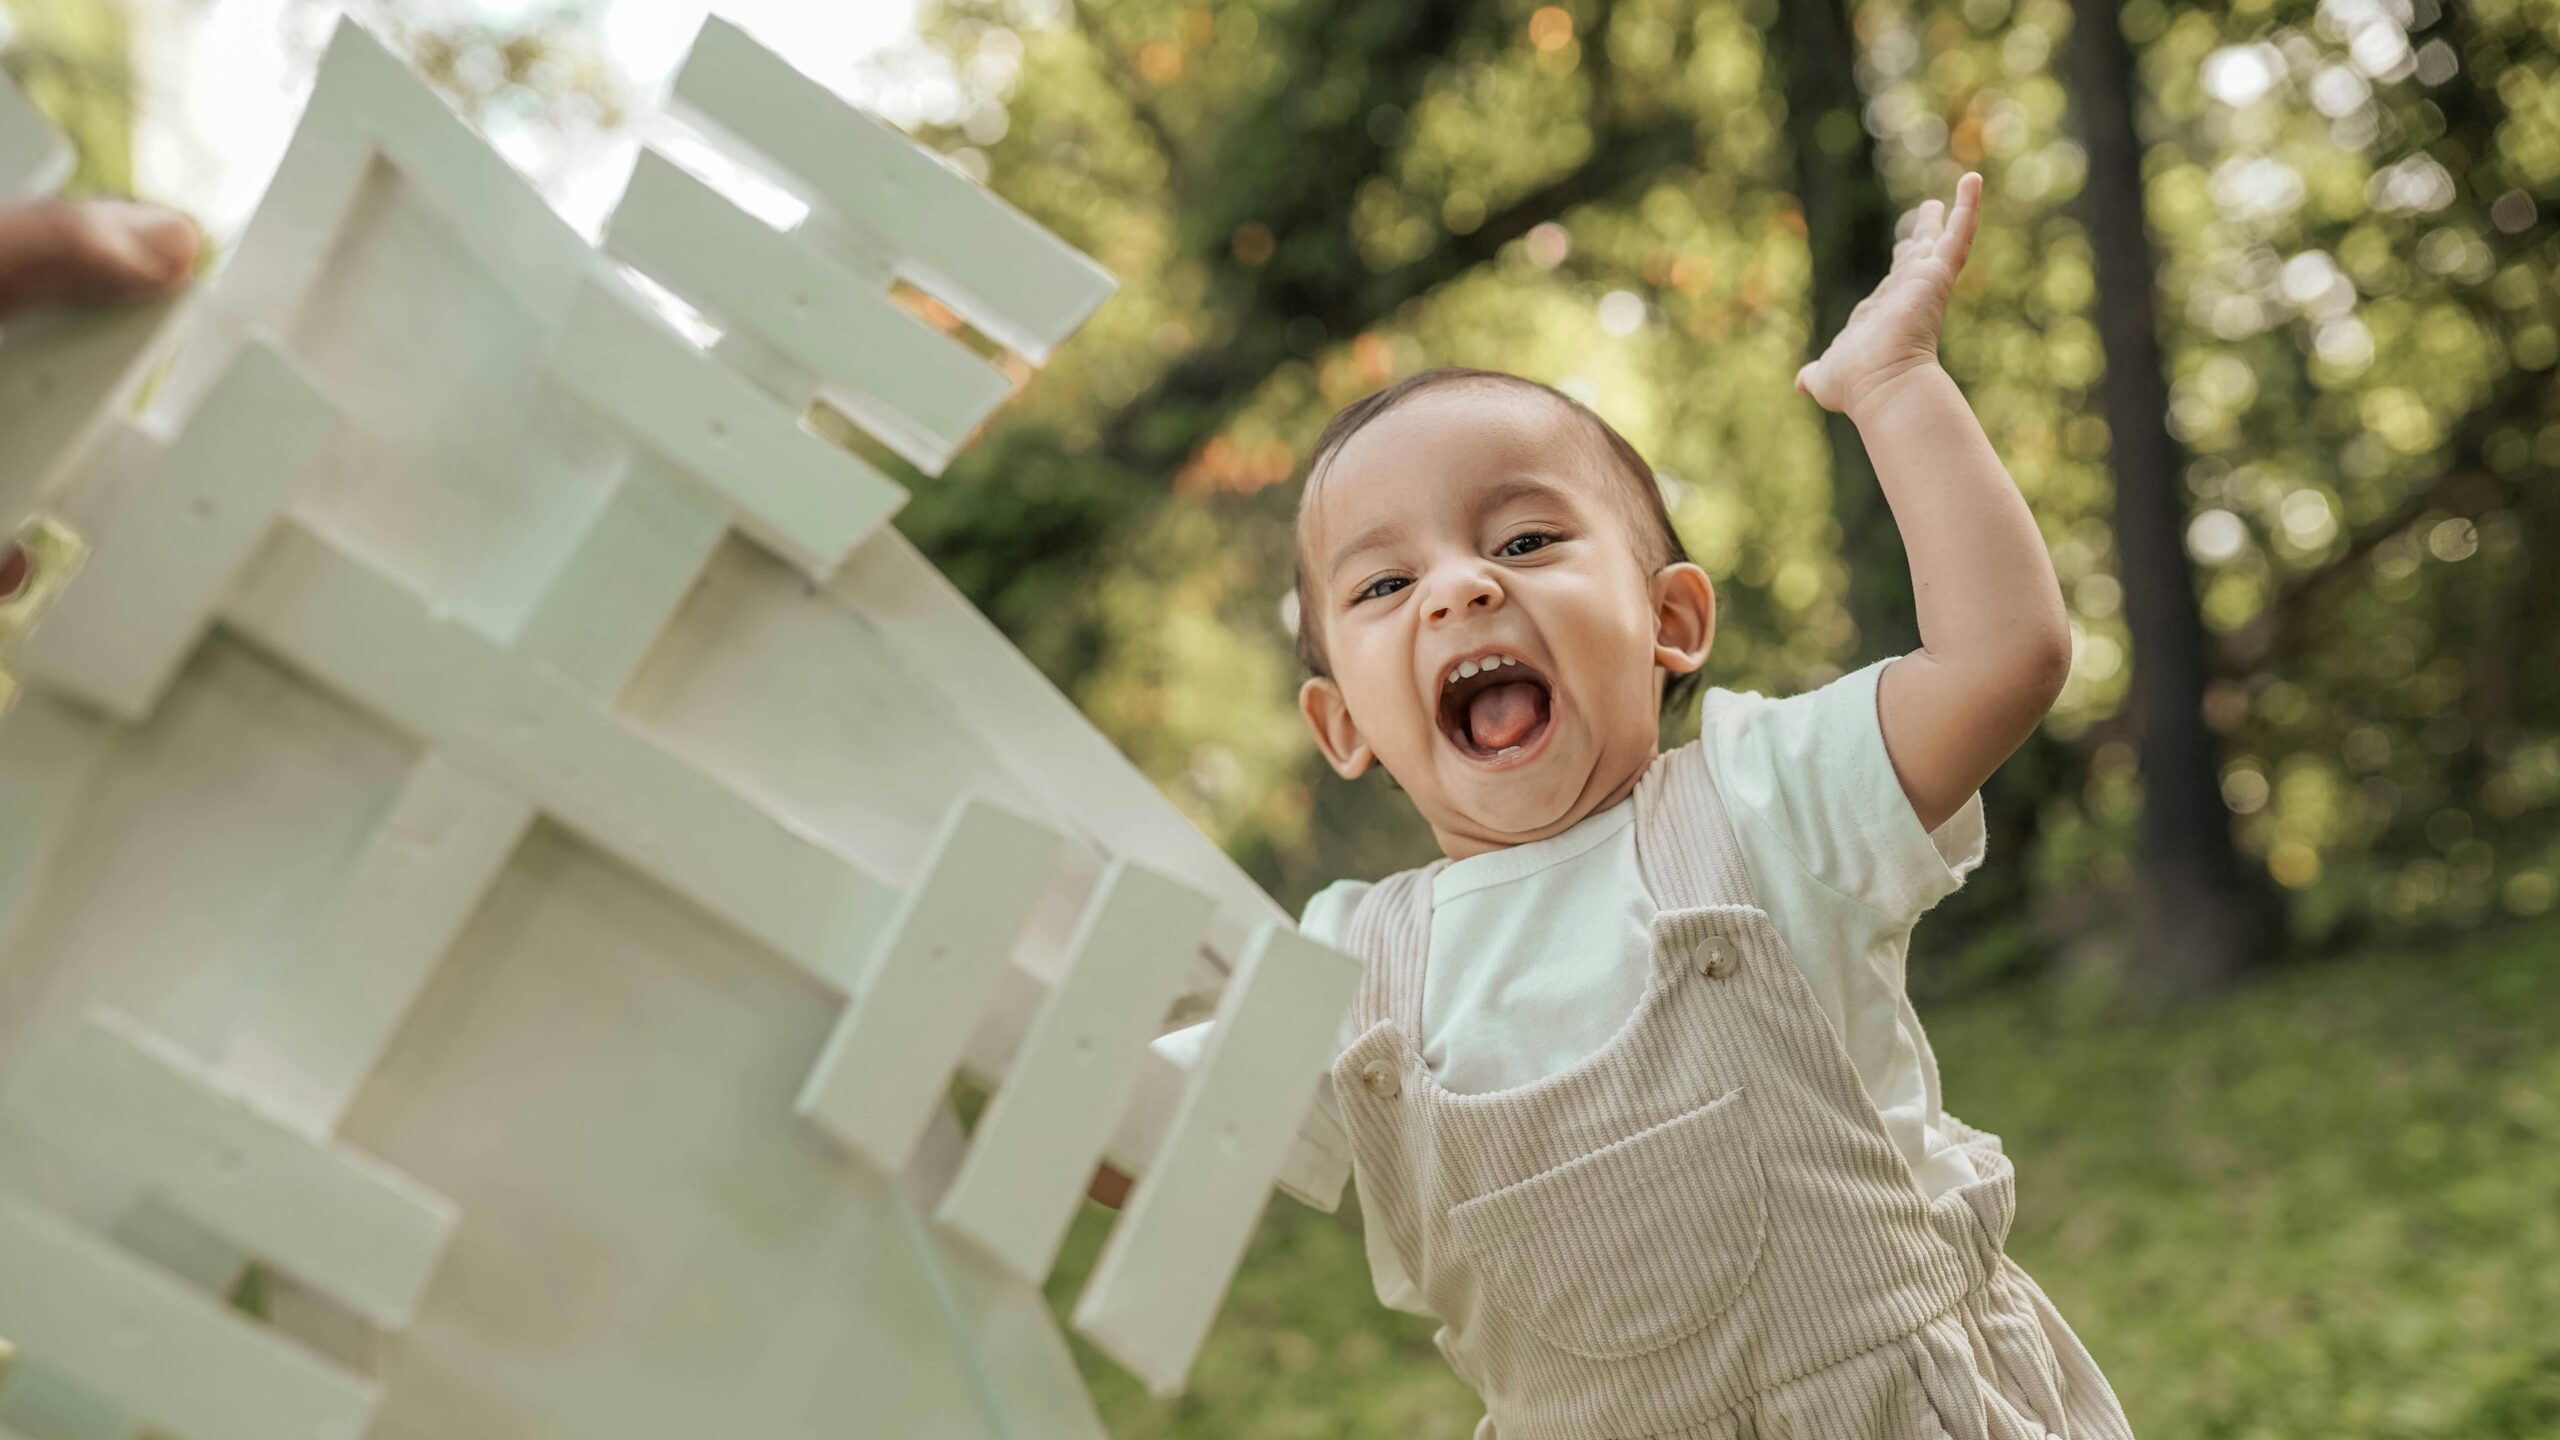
[1634, 1099]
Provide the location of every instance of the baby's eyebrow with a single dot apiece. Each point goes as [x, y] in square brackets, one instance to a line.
[1519, 487]
[1375, 537]
[1492, 497]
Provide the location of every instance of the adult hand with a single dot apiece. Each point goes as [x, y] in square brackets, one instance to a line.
[83, 252]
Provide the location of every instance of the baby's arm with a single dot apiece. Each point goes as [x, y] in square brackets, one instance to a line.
[1995, 640]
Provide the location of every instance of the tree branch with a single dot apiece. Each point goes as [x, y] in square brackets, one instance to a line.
[1193, 398]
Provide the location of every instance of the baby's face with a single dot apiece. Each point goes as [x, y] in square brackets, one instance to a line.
[1475, 523]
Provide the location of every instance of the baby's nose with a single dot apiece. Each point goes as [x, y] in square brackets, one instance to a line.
[1476, 592]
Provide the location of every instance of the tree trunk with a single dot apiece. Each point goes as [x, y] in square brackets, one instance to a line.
[2203, 912]
[1848, 222]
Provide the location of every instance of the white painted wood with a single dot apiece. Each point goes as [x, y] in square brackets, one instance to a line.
[64, 374]
[456, 468]
[34, 157]
[621, 587]
[525, 728]
[122, 1098]
[1156, 1286]
[148, 592]
[169, 1355]
[365, 103]
[926, 626]
[919, 391]
[1034, 1148]
[889, 1063]
[328, 1015]
[968, 248]
[520, 827]
[1031, 1374]
[655, 1246]
[1313, 1173]
[793, 491]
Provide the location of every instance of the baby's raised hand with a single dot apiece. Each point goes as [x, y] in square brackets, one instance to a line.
[1895, 330]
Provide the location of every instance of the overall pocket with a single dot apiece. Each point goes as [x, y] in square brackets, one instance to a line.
[1630, 1248]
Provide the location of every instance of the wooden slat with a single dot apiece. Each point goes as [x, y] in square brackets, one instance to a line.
[1162, 1273]
[977, 254]
[525, 729]
[808, 500]
[890, 1059]
[127, 1100]
[921, 392]
[156, 568]
[328, 1015]
[1032, 1154]
[64, 375]
[1318, 1165]
[34, 157]
[171, 1356]
[365, 103]
[49, 752]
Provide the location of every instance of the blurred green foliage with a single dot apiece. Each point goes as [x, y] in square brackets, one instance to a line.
[2321, 1208]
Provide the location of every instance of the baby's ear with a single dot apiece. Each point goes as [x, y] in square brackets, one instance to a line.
[1329, 717]
[1684, 617]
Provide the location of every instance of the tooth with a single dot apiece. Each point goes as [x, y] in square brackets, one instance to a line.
[1466, 669]
[1504, 660]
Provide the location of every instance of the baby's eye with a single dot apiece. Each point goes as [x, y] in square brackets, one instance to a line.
[1372, 592]
[1542, 537]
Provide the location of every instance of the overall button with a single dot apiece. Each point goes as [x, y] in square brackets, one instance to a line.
[1379, 1078]
[1718, 957]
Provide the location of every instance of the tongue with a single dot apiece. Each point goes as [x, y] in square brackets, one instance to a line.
[1500, 714]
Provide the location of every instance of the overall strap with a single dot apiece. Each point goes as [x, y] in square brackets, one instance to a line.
[1390, 930]
[1684, 838]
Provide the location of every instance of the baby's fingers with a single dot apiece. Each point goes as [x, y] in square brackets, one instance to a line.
[1957, 242]
[1925, 226]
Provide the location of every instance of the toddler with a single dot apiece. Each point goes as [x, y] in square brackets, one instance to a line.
[1635, 1101]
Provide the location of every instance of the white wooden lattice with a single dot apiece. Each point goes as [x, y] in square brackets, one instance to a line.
[505, 847]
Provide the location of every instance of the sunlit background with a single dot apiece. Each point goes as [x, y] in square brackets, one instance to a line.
[2259, 980]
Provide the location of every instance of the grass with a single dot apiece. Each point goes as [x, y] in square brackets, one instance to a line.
[2327, 1205]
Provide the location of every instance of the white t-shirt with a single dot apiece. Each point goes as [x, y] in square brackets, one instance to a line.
[1539, 952]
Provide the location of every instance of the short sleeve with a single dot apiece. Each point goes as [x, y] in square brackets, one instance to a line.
[1327, 917]
[1811, 771]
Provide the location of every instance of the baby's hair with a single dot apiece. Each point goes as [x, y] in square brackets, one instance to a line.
[1609, 449]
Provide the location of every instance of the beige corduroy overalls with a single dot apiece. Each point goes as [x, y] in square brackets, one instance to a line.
[1700, 1229]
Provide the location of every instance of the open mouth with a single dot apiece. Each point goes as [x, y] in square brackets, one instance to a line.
[1500, 715]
